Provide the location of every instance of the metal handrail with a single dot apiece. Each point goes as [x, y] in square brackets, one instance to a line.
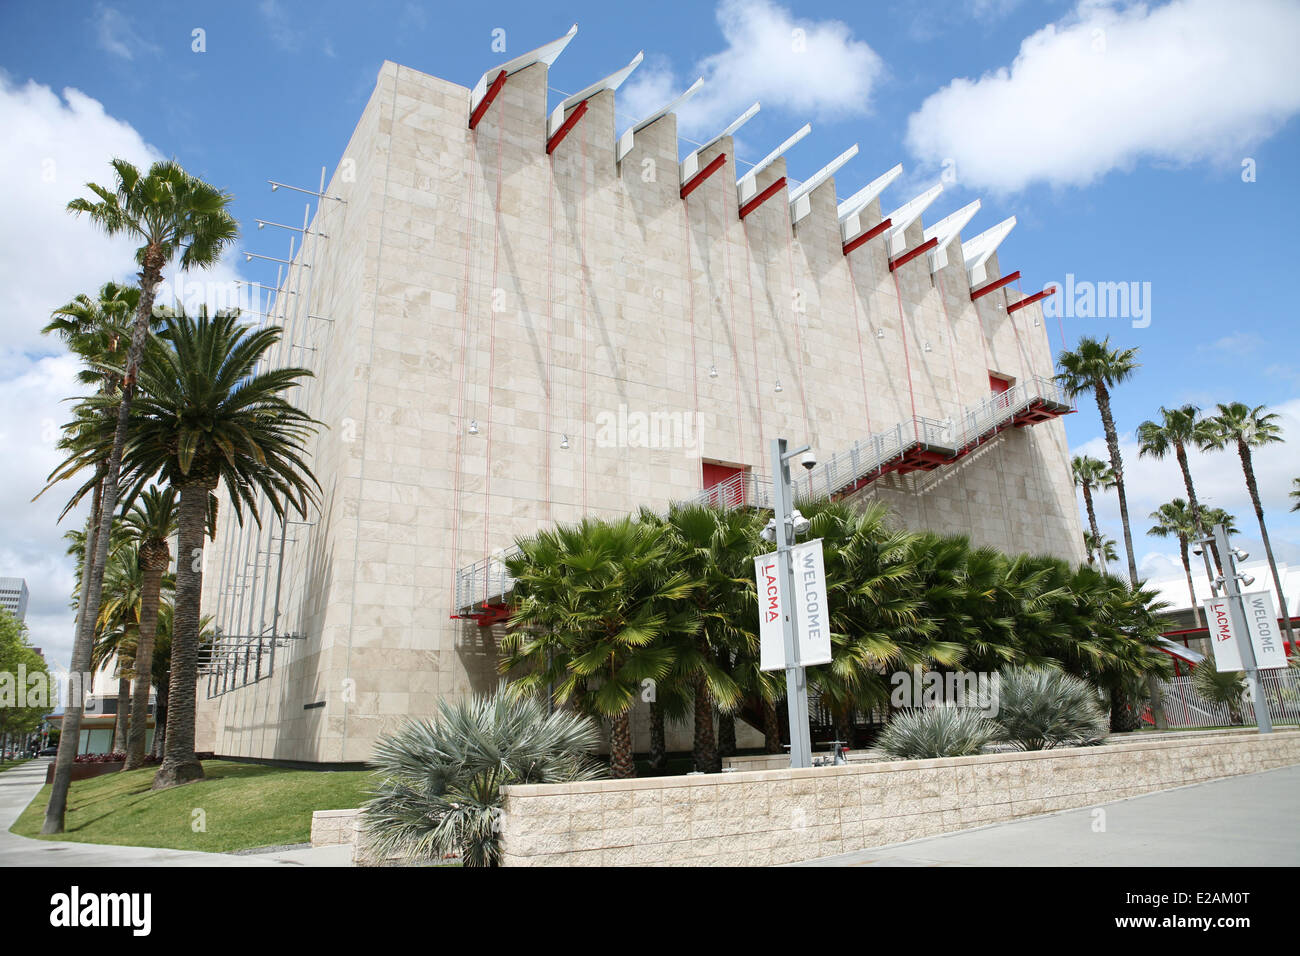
[488, 578]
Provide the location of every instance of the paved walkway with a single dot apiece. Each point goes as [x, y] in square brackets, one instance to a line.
[1250, 820]
[19, 786]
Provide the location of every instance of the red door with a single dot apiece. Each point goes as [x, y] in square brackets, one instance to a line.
[731, 488]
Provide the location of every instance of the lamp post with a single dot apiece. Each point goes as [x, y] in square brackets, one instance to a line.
[1240, 628]
[783, 532]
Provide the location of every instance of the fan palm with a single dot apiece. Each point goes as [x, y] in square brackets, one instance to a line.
[927, 732]
[1099, 550]
[1220, 687]
[1295, 493]
[440, 791]
[595, 619]
[169, 212]
[1042, 708]
[1175, 519]
[206, 416]
[152, 523]
[1178, 429]
[1248, 428]
[1097, 368]
[1090, 473]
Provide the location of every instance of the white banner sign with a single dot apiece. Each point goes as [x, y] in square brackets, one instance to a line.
[1261, 625]
[1261, 621]
[812, 614]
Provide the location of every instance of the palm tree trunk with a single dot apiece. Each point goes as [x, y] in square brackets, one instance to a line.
[92, 585]
[1117, 467]
[1243, 450]
[658, 749]
[726, 735]
[771, 728]
[621, 763]
[1092, 523]
[179, 765]
[159, 721]
[149, 597]
[706, 745]
[121, 718]
[57, 808]
[1187, 570]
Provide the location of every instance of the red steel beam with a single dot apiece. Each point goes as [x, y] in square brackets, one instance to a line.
[867, 236]
[913, 253]
[1016, 306]
[568, 124]
[762, 197]
[993, 286]
[488, 97]
[694, 182]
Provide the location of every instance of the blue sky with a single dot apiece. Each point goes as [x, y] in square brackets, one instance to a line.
[1116, 134]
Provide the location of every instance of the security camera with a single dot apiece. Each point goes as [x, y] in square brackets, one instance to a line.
[809, 460]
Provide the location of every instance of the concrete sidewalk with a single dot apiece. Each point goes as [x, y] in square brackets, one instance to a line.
[19, 786]
[1249, 820]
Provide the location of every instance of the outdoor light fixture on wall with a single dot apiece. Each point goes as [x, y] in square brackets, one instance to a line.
[473, 426]
[713, 371]
[880, 333]
[564, 442]
[779, 387]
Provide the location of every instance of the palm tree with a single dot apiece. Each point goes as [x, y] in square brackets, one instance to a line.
[169, 212]
[1099, 550]
[118, 631]
[1090, 473]
[1247, 428]
[1178, 429]
[1097, 368]
[206, 416]
[1174, 519]
[594, 619]
[152, 523]
[1295, 493]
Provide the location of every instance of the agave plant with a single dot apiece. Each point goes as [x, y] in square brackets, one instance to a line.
[440, 792]
[1042, 708]
[935, 732]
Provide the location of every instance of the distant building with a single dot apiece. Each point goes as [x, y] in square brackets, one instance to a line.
[13, 596]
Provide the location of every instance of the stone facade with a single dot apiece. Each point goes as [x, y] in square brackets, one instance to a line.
[769, 817]
[467, 277]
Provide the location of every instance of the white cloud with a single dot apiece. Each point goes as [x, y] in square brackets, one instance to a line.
[116, 35]
[814, 68]
[53, 145]
[1110, 85]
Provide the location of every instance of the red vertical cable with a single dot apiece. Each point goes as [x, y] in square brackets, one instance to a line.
[492, 349]
[798, 337]
[862, 355]
[902, 324]
[470, 151]
[952, 346]
[731, 320]
[753, 330]
[690, 284]
[550, 332]
[584, 280]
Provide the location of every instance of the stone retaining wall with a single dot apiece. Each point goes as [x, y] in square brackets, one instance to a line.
[781, 816]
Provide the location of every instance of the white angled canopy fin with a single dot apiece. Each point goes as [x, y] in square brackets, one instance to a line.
[946, 230]
[627, 139]
[800, 203]
[977, 251]
[611, 82]
[547, 53]
[747, 184]
[691, 164]
[850, 211]
[908, 213]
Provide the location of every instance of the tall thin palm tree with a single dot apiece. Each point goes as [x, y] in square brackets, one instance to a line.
[1097, 368]
[152, 523]
[1090, 473]
[1100, 550]
[1295, 493]
[206, 416]
[118, 632]
[1178, 429]
[1174, 519]
[1249, 428]
[170, 213]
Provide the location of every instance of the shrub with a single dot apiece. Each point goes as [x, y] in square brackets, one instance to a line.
[935, 732]
[441, 789]
[1220, 687]
[1040, 708]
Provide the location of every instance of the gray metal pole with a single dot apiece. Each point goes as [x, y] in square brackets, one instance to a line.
[796, 679]
[1237, 609]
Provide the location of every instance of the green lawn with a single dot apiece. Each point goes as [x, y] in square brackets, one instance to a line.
[244, 806]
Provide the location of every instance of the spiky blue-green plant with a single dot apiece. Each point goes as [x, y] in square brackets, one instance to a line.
[441, 779]
[1042, 708]
[935, 732]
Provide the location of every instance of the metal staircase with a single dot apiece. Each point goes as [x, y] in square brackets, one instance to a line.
[916, 444]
